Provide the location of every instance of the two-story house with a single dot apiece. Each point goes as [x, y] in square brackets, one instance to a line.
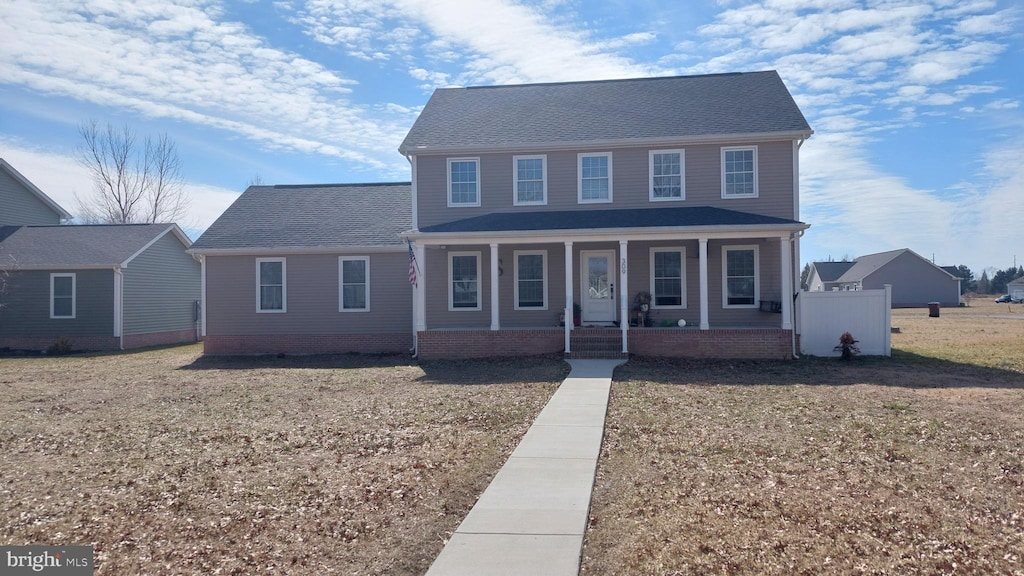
[529, 203]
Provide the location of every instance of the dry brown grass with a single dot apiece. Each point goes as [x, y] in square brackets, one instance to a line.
[908, 465]
[173, 464]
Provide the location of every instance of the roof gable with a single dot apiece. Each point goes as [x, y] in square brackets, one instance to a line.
[831, 271]
[644, 109]
[312, 216]
[86, 246]
[34, 190]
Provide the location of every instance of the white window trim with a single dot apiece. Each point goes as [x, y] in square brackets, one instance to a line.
[478, 191]
[544, 264]
[515, 179]
[682, 175]
[284, 286]
[451, 282]
[341, 283]
[682, 277]
[722, 165]
[725, 276]
[74, 294]
[579, 177]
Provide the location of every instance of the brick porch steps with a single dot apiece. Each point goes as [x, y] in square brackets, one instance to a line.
[596, 343]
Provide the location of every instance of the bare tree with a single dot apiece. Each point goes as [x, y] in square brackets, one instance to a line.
[256, 180]
[132, 183]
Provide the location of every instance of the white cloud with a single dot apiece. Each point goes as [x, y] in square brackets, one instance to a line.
[61, 178]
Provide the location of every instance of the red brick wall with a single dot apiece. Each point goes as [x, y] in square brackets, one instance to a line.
[159, 338]
[78, 343]
[307, 344]
[434, 344]
[767, 343]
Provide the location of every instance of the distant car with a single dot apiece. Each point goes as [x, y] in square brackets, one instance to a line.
[1004, 298]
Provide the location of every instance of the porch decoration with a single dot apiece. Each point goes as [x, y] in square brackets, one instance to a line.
[642, 310]
[847, 346]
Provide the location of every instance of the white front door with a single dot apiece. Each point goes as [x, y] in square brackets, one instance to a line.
[597, 285]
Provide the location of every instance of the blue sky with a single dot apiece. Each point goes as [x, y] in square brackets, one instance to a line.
[916, 106]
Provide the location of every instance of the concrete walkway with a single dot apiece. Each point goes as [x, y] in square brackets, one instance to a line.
[531, 519]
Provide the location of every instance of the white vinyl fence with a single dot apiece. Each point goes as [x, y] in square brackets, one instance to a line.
[865, 314]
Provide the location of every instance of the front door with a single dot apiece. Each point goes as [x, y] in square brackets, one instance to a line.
[598, 286]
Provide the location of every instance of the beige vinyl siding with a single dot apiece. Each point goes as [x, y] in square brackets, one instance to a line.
[21, 207]
[161, 286]
[630, 182]
[769, 279]
[312, 297]
[26, 305]
[436, 271]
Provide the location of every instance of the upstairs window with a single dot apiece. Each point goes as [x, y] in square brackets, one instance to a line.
[666, 170]
[271, 290]
[739, 172]
[62, 296]
[354, 283]
[531, 280]
[463, 182]
[595, 177]
[464, 281]
[531, 180]
[667, 277]
[739, 277]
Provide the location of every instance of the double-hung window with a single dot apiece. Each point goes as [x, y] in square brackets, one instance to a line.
[463, 182]
[531, 180]
[739, 172]
[62, 295]
[668, 277]
[739, 277]
[667, 175]
[594, 177]
[531, 288]
[354, 284]
[464, 281]
[271, 285]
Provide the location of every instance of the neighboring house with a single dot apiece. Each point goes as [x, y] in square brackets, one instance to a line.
[915, 280]
[22, 204]
[309, 269]
[1016, 289]
[102, 287]
[524, 201]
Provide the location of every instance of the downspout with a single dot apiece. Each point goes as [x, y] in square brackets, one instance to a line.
[119, 307]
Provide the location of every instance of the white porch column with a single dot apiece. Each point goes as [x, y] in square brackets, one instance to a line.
[494, 287]
[420, 291]
[787, 282]
[568, 294]
[703, 242]
[623, 294]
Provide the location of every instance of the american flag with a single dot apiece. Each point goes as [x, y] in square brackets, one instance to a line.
[412, 266]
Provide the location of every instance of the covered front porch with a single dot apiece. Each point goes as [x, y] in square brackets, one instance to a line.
[711, 292]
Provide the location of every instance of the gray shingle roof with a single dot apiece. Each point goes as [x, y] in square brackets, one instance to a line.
[609, 110]
[831, 271]
[596, 219]
[864, 265]
[312, 216]
[74, 246]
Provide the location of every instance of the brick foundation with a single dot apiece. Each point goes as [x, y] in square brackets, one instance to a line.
[78, 343]
[159, 338]
[752, 343]
[437, 344]
[307, 344]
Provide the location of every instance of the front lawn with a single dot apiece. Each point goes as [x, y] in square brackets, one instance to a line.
[169, 463]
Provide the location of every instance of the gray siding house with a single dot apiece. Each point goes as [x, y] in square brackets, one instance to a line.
[308, 269]
[22, 204]
[526, 203]
[102, 287]
[915, 280]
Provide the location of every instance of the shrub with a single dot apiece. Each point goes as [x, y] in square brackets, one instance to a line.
[60, 347]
